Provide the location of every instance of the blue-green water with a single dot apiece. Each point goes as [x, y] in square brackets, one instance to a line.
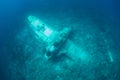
[95, 31]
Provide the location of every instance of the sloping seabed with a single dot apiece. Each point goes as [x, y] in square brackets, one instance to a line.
[93, 58]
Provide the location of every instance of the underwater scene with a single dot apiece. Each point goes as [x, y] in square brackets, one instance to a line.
[59, 40]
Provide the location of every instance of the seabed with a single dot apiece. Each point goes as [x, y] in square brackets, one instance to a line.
[90, 57]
